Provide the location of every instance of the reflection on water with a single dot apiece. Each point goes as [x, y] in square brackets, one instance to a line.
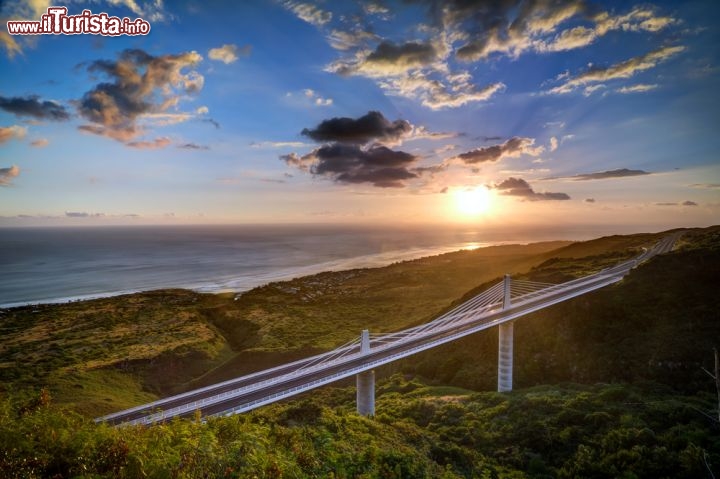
[54, 264]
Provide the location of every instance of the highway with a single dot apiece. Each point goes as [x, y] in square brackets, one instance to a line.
[264, 387]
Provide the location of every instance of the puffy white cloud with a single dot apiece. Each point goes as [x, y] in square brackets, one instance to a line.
[228, 53]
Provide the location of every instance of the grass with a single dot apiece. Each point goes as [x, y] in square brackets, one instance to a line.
[129, 349]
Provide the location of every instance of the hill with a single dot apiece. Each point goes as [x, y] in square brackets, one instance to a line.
[609, 384]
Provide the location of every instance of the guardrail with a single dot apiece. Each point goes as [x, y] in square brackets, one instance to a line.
[483, 311]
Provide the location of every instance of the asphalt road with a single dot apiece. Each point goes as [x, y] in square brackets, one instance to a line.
[287, 380]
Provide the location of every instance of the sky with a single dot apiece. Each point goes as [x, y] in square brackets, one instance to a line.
[469, 112]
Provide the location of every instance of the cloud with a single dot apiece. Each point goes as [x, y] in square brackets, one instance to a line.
[638, 19]
[439, 96]
[346, 40]
[638, 88]
[7, 174]
[589, 90]
[422, 133]
[352, 164]
[84, 214]
[309, 13]
[553, 143]
[511, 28]
[372, 126]
[571, 39]
[117, 133]
[425, 67]
[31, 106]
[433, 90]
[589, 200]
[705, 185]
[164, 119]
[388, 58]
[7, 133]
[151, 10]
[602, 175]
[512, 148]
[689, 203]
[375, 8]
[313, 96]
[279, 144]
[522, 189]
[377, 165]
[141, 84]
[666, 204]
[303, 163]
[229, 53]
[193, 146]
[40, 143]
[8, 42]
[149, 145]
[431, 170]
[625, 69]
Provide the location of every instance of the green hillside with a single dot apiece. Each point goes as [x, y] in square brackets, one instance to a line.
[609, 384]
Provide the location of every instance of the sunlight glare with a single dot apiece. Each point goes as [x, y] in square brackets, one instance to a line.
[470, 202]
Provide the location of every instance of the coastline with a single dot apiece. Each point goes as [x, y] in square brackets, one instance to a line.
[243, 283]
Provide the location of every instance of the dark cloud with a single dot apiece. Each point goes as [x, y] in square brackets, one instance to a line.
[139, 84]
[521, 188]
[354, 151]
[32, 106]
[666, 204]
[411, 53]
[689, 203]
[377, 165]
[589, 200]
[512, 148]
[619, 173]
[388, 58]
[193, 146]
[371, 127]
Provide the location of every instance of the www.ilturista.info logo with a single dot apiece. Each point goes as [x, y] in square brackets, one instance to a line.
[57, 22]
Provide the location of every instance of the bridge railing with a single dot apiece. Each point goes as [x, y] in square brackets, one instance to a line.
[467, 318]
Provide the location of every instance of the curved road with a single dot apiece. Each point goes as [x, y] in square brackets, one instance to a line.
[264, 387]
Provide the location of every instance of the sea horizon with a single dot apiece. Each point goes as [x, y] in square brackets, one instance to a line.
[60, 264]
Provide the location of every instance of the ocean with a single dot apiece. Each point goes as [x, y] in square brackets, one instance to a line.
[59, 264]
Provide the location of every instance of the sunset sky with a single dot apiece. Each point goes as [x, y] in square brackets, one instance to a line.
[420, 111]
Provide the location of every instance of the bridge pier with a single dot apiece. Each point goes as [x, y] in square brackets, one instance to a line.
[505, 345]
[365, 382]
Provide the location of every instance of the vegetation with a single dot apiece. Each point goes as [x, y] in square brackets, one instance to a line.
[628, 398]
[571, 431]
[108, 354]
[659, 324]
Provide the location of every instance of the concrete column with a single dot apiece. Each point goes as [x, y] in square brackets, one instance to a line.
[505, 345]
[365, 382]
[505, 357]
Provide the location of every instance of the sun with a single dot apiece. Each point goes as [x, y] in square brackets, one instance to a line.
[472, 202]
